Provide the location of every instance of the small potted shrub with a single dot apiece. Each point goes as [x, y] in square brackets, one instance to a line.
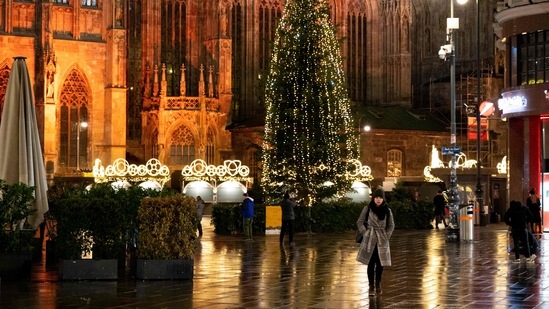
[166, 238]
[16, 237]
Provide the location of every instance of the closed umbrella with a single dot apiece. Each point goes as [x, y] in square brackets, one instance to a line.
[20, 151]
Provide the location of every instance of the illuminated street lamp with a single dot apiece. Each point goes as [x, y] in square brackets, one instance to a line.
[78, 126]
[447, 52]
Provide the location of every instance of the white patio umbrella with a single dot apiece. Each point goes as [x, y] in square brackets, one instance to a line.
[21, 157]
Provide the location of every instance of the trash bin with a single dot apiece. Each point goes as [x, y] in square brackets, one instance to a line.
[466, 222]
[484, 217]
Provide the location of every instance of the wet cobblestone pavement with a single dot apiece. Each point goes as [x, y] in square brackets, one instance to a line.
[320, 271]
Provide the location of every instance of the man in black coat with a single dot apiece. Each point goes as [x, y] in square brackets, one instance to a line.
[517, 217]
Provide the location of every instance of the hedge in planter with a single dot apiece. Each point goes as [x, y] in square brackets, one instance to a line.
[166, 238]
[227, 219]
[16, 243]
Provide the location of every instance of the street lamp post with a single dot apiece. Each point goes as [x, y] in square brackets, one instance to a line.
[78, 126]
[478, 190]
[448, 52]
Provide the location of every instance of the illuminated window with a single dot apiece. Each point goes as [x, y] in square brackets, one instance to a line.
[210, 154]
[61, 1]
[4, 77]
[89, 3]
[74, 102]
[394, 163]
[182, 149]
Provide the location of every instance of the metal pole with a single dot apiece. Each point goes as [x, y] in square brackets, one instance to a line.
[78, 146]
[479, 193]
[453, 232]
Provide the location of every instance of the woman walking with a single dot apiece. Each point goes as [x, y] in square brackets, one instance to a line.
[377, 225]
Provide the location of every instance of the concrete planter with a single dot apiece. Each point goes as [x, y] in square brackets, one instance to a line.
[164, 269]
[88, 270]
[15, 266]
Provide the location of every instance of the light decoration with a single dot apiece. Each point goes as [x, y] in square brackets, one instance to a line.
[122, 171]
[309, 138]
[430, 177]
[502, 166]
[231, 170]
[461, 161]
[360, 172]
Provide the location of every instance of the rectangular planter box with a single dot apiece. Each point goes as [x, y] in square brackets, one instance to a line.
[15, 266]
[88, 270]
[164, 269]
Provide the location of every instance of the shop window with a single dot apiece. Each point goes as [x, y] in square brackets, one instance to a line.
[533, 58]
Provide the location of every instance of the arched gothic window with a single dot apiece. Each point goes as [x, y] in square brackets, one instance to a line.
[182, 147]
[252, 163]
[210, 149]
[73, 113]
[4, 77]
[394, 163]
[357, 57]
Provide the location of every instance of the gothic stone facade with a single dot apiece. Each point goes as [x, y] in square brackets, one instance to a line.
[179, 79]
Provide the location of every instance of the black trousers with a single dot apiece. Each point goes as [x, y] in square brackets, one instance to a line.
[520, 235]
[374, 266]
[287, 225]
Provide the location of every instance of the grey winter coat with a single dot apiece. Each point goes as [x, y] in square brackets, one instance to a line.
[379, 232]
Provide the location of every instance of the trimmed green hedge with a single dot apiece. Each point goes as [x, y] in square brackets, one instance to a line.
[324, 217]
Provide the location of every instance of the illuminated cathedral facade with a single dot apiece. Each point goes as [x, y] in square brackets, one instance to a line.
[177, 80]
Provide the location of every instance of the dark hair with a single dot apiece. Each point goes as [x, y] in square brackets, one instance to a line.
[286, 196]
[532, 191]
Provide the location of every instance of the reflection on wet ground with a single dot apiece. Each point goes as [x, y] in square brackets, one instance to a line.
[320, 271]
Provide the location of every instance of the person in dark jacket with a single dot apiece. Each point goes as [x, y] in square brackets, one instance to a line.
[440, 208]
[533, 204]
[248, 215]
[518, 217]
[288, 217]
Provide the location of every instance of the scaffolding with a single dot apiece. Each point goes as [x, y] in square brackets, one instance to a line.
[467, 94]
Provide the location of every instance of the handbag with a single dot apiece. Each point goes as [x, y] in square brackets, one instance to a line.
[358, 234]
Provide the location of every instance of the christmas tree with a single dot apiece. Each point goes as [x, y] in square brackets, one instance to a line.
[309, 132]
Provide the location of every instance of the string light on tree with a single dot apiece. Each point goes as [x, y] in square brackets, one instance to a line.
[308, 123]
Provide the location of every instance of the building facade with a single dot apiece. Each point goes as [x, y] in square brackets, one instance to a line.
[180, 80]
[523, 32]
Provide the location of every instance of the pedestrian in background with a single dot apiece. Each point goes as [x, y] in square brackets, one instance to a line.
[440, 208]
[287, 205]
[199, 213]
[376, 225]
[247, 216]
[517, 217]
[534, 205]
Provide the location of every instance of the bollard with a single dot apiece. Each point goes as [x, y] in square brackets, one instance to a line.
[466, 222]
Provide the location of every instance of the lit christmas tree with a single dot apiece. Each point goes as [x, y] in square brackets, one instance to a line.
[309, 131]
